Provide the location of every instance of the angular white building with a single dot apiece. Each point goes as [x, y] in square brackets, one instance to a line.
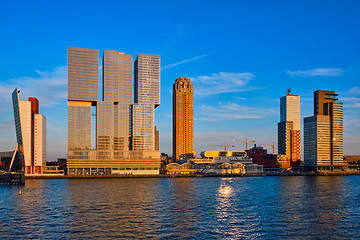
[30, 133]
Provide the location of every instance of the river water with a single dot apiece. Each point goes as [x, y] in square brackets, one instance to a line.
[296, 207]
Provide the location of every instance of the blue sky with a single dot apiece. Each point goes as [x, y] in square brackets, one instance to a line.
[241, 55]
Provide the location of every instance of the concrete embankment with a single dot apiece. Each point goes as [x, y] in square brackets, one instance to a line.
[344, 173]
[192, 175]
[139, 176]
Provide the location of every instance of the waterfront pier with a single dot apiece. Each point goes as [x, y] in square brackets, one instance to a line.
[12, 179]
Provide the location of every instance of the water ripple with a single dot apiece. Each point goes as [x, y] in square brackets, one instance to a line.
[183, 208]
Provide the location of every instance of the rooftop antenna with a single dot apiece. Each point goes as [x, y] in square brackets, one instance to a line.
[288, 91]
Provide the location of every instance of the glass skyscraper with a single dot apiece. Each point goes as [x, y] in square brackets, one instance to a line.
[117, 77]
[125, 142]
[147, 98]
[147, 79]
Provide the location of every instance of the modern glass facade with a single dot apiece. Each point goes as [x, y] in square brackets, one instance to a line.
[19, 138]
[147, 79]
[146, 98]
[125, 139]
[117, 77]
[143, 120]
[122, 127]
[83, 74]
[183, 119]
[79, 125]
[105, 125]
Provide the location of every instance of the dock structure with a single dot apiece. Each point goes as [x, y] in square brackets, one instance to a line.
[12, 179]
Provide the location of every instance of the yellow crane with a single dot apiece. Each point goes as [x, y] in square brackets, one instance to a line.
[224, 146]
[273, 146]
[246, 141]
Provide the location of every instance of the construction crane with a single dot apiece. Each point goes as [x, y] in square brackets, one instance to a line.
[273, 146]
[224, 146]
[246, 141]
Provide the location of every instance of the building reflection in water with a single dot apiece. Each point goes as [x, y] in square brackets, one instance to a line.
[310, 206]
[183, 208]
[116, 207]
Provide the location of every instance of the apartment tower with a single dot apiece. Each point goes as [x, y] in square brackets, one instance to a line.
[183, 119]
[323, 133]
[289, 129]
[124, 131]
[30, 133]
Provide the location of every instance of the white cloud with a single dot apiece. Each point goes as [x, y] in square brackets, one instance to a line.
[355, 90]
[49, 87]
[222, 82]
[351, 120]
[351, 102]
[241, 98]
[352, 99]
[169, 66]
[231, 111]
[332, 72]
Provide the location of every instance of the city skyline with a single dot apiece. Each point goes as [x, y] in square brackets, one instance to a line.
[240, 65]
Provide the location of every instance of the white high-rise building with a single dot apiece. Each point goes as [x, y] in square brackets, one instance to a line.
[290, 110]
[40, 141]
[289, 129]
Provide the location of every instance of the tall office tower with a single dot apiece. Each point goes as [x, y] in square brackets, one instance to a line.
[147, 79]
[30, 133]
[317, 140]
[83, 74]
[116, 116]
[183, 119]
[117, 77]
[289, 128]
[323, 133]
[113, 122]
[83, 93]
[147, 98]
